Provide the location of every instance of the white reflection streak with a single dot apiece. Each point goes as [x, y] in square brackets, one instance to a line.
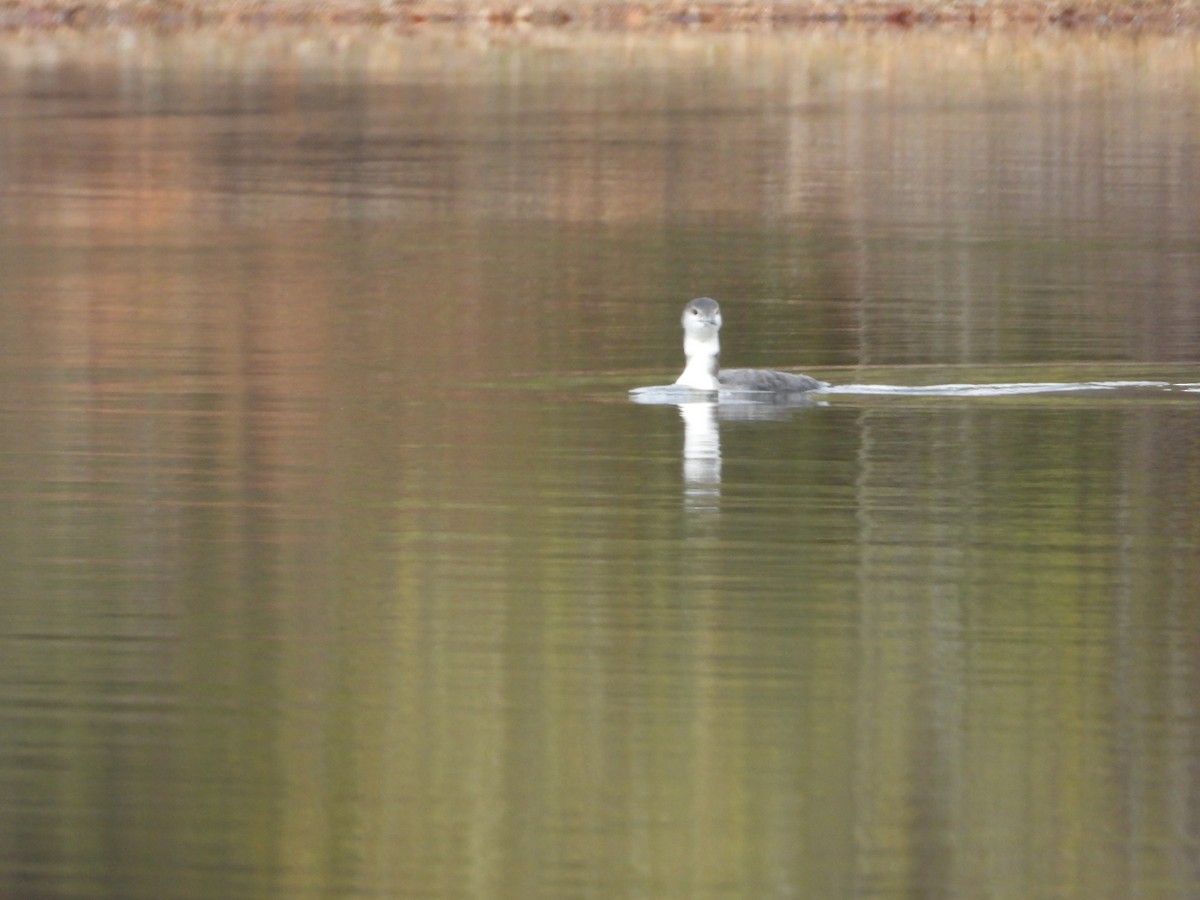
[701, 456]
[997, 390]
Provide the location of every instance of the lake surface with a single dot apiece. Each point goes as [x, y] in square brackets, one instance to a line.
[337, 561]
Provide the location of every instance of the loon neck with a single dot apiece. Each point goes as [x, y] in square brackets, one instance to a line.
[703, 363]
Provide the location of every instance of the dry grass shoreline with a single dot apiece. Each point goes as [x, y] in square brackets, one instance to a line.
[605, 15]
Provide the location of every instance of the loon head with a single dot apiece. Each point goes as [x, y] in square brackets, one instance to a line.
[701, 319]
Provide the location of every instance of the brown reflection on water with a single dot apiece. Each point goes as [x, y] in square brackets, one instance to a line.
[606, 133]
[912, 196]
[327, 579]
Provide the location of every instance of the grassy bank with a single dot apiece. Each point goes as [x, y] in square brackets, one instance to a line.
[607, 15]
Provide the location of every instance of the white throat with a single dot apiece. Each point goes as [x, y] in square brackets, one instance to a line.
[703, 354]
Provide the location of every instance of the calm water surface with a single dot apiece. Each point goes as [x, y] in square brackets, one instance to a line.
[337, 562]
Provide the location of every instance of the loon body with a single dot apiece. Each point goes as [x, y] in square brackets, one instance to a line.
[701, 321]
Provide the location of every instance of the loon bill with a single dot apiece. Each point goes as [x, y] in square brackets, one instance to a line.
[701, 321]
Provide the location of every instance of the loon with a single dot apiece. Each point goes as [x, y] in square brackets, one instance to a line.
[701, 321]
